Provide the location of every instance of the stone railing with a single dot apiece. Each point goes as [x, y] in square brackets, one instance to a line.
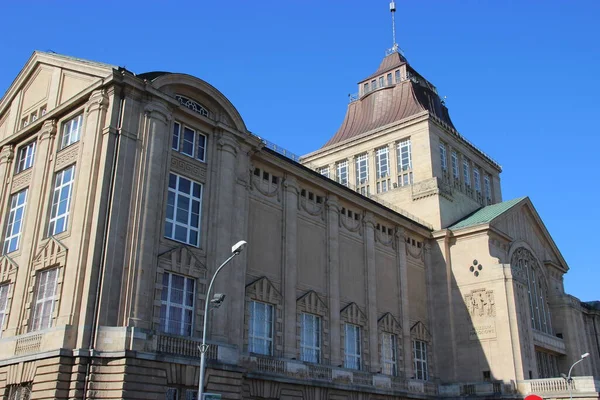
[475, 389]
[28, 344]
[549, 342]
[182, 346]
[557, 386]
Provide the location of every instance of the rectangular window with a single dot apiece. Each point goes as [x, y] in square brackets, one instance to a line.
[381, 82]
[404, 155]
[389, 79]
[455, 172]
[324, 171]
[61, 201]
[352, 358]
[201, 148]
[477, 179]
[14, 225]
[172, 394]
[397, 76]
[389, 354]
[342, 172]
[3, 302]
[71, 132]
[26, 156]
[260, 335]
[466, 172]
[189, 142]
[177, 305]
[45, 296]
[382, 162]
[191, 394]
[366, 87]
[362, 169]
[487, 188]
[420, 360]
[373, 84]
[443, 157]
[184, 201]
[176, 138]
[310, 338]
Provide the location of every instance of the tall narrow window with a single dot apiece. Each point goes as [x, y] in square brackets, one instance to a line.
[184, 201]
[362, 173]
[310, 338]
[45, 296]
[389, 79]
[443, 159]
[404, 152]
[381, 84]
[260, 335]
[477, 180]
[177, 305]
[352, 358]
[382, 162]
[189, 142]
[466, 172]
[389, 354]
[420, 360]
[455, 172]
[342, 172]
[373, 84]
[3, 303]
[14, 225]
[487, 188]
[176, 136]
[26, 156]
[366, 88]
[61, 201]
[397, 76]
[71, 132]
[324, 171]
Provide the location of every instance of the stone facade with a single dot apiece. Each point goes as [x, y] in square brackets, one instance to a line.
[122, 193]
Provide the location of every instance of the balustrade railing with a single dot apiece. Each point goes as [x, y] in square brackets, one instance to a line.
[187, 347]
[28, 344]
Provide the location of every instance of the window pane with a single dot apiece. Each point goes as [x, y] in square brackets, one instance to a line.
[182, 216]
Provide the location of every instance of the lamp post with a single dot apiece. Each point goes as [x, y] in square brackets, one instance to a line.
[219, 297]
[569, 379]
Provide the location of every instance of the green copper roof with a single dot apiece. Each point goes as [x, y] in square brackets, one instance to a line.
[486, 214]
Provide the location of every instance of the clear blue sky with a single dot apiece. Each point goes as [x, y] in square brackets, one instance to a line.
[522, 78]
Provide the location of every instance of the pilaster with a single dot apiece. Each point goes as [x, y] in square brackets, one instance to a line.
[352, 171]
[7, 155]
[393, 159]
[290, 264]
[372, 175]
[403, 274]
[371, 290]
[333, 277]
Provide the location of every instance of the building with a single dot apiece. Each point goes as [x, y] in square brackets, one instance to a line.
[384, 265]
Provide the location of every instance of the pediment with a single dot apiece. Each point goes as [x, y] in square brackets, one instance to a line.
[263, 289]
[388, 323]
[353, 314]
[522, 223]
[7, 268]
[420, 332]
[181, 259]
[52, 253]
[312, 303]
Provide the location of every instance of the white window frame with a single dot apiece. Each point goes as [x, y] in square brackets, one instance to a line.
[342, 172]
[443, 158]
[171, 221]
[352, 359]
[389, 353]
[362, 169]
[404, 160]
[477, 179]
[324, 171]
[45, 299]
[71, 131]
[260, 341]
[455, 171]
[310, 338]
[26, 157]
[15, 220]
[61, 183]
[466, 172]
[420, 360]
[170, 305]
[198, 144]
[382, 161]
[4, 288]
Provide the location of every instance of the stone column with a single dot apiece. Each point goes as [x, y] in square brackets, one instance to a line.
[333, 276]
[430, 310]
[372, 172]
[227, 153]
[393, 155]
[352, 172]
[152, 169]
[289, 272]
[371, 291]
[405, 318]
[333, 172]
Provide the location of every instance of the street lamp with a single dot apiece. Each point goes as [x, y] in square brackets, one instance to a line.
[216, 301]
[568, 377]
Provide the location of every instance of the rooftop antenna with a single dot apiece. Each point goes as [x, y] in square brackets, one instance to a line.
[395, 48]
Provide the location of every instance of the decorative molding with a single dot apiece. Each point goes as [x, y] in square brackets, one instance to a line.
[353, 314]
[263, 290]
[262, 187]
[67, 156]
[19, 373]
[158, 111]
[310, 302]
[480, 303]
[355, 227]
[8, 269]
[388, 323]
[426, 188]
[415, 252]
[21, 180]
[385, 239]
[420, 332]
[98, 101]
[53, 253]
[520, 259]
[191, 169]
[185, 261]
[48, 129]
[311, 207]
[7, 153]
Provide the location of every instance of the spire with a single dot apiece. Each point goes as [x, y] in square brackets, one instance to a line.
[395, 48]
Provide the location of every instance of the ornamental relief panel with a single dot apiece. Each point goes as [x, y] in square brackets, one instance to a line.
[66, 157]
[521, 259]
[481, 306]
[21, 180]
[192, 170]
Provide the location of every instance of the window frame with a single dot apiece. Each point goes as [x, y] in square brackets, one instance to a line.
[4, 298]
[443, 157]
[37, 319]
[182, 308]
[342, 172]
[198, 144]
[420, 364]
[466, 172]
[313, 347]
[71, 139]
[324, 171]
[11, 220]
[455, 168]
[56, 200]
[25, 157]
[353, 360]
[477, 180]
[389, 359]
[269, 328]
[173, 220]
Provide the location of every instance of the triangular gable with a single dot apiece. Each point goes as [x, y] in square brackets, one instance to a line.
[263, 289]
[181, 259]
[420, 332]
[388, 323]
[68, 75]
[312, 303]
[52, 253]
[7, 268]
[353, 314]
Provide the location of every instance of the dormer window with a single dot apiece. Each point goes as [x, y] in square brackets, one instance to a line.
[389, 79]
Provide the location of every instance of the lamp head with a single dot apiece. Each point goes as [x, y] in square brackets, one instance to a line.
[238, 247]
[217, 300]
[584, 355]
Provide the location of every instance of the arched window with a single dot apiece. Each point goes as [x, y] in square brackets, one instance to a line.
[527, 270]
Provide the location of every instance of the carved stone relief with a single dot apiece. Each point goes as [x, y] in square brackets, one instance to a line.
[482, 311]
[21, 180]
[190, 169]
[67, 156]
